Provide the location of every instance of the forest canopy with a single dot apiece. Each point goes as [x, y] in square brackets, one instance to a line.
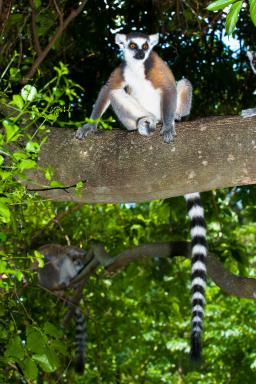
[55, 56]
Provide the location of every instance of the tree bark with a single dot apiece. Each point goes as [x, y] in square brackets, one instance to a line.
[121, 166]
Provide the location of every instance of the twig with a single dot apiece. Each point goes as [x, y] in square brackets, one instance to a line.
[34, 29]
[53, 188]
[61, 28]
[58, 11]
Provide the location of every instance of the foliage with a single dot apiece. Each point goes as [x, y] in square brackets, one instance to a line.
[233, 11]
[137, 320]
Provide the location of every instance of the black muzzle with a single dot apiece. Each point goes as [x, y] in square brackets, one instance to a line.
[140, 54]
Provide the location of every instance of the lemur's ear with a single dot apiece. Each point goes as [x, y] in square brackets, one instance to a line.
[153, 39]
[120, 39]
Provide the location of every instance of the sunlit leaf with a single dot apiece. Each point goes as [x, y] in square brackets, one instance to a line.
[232, 17]
[219, 4]
[11, 130]
[253, 11]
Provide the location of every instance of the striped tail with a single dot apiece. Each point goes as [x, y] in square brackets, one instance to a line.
[198, 266]
[80, 341]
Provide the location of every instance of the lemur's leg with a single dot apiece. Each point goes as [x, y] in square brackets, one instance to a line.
[248, 112]
[131, 114]
[184, 98]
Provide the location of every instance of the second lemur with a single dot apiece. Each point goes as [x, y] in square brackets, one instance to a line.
[142, 91]
[62, 264]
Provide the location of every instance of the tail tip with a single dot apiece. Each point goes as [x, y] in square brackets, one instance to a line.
[79, 365]
[195, 353]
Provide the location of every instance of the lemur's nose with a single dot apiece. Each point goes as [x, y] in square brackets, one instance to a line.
[140, 54]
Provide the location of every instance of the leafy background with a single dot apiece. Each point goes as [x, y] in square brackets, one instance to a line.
[138, 320]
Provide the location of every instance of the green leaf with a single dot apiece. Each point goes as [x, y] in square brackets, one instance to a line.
[5, 214]
[39, 258]
[53, 331]
[3, 236]
[56, 183]
[253, 11]
[18, 101]
[232, 17]
[219, 4]
[26, 164]
[38, 3]
[47, 361]
[33, 147]
[11, 130]
[15, 349]
[36, 341]
[30, 369]
[15, 74]
[1, 160]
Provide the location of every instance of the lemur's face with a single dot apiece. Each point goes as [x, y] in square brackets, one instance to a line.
[136, 46]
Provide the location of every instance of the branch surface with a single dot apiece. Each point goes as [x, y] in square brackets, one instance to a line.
[121, 166]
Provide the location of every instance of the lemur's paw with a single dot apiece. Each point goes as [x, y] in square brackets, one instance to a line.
[147, 125]
[248, 112]
[168, 133]
[86, 130]
[178, 117]
[168, 137]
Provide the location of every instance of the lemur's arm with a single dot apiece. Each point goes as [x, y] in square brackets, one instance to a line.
[102, 103]
[115, 81]
[169, 105]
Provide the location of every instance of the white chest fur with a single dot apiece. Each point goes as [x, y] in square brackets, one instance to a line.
[142, 90]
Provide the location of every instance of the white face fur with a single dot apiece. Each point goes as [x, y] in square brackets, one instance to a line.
[136, 49]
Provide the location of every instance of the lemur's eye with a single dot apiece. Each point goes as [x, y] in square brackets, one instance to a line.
[145, 46]
[132, 45]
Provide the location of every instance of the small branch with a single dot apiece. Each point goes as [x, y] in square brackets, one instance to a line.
[58, 11]
[34, 29]
[61, 28]
[65, 188]
[1, 7]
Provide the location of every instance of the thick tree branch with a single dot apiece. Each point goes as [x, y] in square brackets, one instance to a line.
[121, 166]
[63, 25]
[228, 282]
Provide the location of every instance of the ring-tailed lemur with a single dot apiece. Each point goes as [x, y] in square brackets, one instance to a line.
[62, 263]
[142, 91]
[252, 58]
[144, 95]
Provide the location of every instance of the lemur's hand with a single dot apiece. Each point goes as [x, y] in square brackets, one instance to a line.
[85, 130]
[168, 133]
[147, 125]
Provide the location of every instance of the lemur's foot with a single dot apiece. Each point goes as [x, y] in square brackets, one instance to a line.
[248, 112]
[147, 125]
[168, 133]
[85, 130]
[178, 116]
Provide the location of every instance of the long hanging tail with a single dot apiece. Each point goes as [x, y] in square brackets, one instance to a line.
[80, 341]
[198, 266]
